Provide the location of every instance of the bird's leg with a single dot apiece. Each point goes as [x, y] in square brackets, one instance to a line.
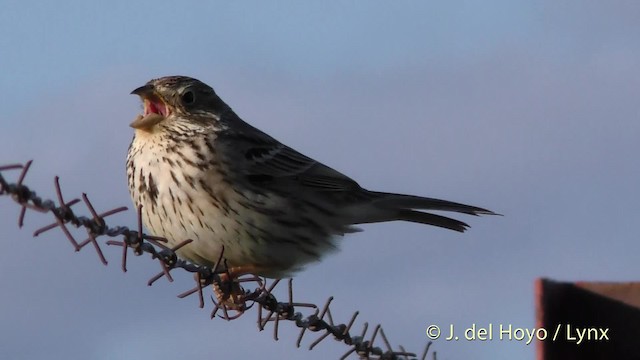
[228, 291]
[230, 294]
[235, 272]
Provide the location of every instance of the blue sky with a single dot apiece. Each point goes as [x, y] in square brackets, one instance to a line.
[526, 108]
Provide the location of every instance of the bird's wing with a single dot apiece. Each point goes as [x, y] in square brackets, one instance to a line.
[283, 162]
[264, 157]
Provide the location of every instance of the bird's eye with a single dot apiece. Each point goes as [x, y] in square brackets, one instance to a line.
[188, 97]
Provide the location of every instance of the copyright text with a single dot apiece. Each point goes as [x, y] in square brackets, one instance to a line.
[508, 332]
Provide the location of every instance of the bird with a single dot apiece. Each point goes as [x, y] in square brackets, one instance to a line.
[199, 172]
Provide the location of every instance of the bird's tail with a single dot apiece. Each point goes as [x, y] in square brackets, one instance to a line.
[391, 207]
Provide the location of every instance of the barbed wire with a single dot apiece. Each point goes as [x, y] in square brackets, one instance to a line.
[232, 300]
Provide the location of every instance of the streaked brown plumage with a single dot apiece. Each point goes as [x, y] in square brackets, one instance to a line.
[202, 173]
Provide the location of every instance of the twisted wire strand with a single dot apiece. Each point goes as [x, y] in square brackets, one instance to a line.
[320, 320]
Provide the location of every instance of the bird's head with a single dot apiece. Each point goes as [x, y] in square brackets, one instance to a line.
[180, 96]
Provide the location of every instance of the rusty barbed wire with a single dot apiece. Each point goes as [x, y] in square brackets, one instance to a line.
[231, 298]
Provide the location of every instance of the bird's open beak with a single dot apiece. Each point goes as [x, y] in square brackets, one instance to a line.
[155, 109]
